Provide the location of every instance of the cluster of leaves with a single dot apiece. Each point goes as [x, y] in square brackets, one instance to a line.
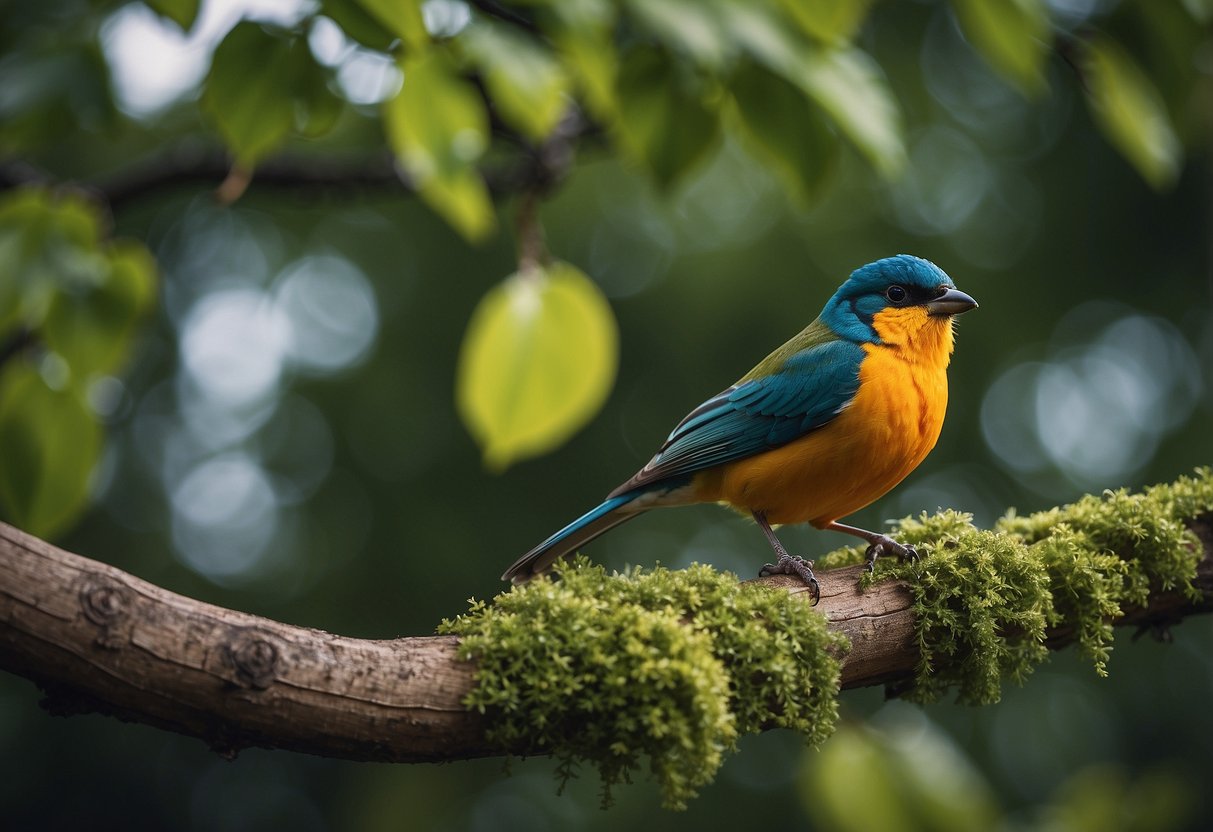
[672, 666]
[985, 600]
[663, 78]
[70, 303]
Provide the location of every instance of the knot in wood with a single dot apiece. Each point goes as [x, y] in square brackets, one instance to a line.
[254, 657]
[104, 602]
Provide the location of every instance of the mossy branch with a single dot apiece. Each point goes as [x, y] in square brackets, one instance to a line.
[668, 666]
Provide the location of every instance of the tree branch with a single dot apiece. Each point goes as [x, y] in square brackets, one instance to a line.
[97, 639]
[192, 165]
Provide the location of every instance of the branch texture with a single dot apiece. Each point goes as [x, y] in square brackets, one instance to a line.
[97, 639]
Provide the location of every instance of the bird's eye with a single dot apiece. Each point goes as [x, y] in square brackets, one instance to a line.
[895, 293]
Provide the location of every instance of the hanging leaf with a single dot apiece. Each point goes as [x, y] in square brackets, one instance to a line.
[537, 362]
[1130, 111]
[438, 129]
[247, 91]
[50, 443]
[780, 123]
[664, 123]
[1013, 35]
[526, 83]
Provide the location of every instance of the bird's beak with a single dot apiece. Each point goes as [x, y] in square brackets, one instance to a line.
[951, 302]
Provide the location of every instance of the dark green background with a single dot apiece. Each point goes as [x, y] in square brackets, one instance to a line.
[406, 524]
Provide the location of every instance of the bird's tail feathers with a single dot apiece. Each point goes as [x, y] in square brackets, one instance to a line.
[566, 541]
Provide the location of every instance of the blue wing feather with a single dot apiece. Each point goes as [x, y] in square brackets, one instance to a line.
[758, 414]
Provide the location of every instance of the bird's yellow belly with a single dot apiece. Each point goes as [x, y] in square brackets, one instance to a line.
[867, 449]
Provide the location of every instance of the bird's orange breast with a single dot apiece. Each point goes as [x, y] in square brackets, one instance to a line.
[886, 431]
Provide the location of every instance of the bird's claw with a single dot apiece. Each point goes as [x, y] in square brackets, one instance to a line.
[794, 565]
[885, 545]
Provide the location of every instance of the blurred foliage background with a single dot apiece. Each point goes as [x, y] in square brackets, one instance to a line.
[255, 314]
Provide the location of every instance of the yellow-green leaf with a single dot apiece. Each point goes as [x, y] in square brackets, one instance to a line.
[833, 22]
[1013, 35]
[402, 18]
[438, 128]
[528, 86]
[1131, 112]
[537, 362]
[49, 444]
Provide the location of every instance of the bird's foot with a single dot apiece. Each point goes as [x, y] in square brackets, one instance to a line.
[794, 565]
[885, 545]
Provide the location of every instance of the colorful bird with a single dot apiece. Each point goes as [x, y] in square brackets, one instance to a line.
[823, 426]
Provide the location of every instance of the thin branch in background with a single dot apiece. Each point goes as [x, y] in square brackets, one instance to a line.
[191, 166]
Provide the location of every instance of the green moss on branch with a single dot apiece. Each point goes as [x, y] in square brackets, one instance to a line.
[983, 600]
[668, 666]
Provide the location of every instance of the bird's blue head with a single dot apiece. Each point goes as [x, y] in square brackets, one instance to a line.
[892, 283]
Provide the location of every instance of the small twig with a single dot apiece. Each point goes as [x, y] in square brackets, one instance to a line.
[532, 248]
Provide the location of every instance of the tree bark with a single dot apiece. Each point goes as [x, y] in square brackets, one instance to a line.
[97, 639]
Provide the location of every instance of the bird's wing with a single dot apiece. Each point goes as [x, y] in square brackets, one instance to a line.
[810, 387]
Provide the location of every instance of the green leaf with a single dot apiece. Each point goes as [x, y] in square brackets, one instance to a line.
[537, 362]
[664, 123]
[402, 18]
[181, 12]
[692, 27]
[438, 129]
[48, 242]
[1013, 35]
[248, 91]
[848, 85]
[92, 326]
[590, 57]
[53, 87]
[50, 443]
[833, 22]
[786, 129]
[317, 107]
[525, 82]
[358, 23]
[1130, 111]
